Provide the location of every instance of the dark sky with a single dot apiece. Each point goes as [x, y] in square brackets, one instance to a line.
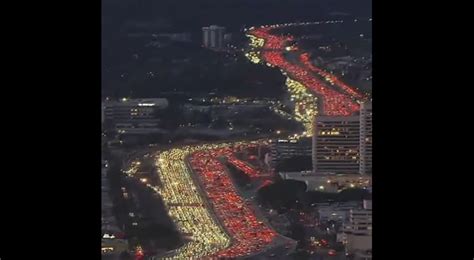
[189, 15]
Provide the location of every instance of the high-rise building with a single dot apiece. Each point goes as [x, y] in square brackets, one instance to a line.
[336, 144]
[213, 37]
[366, 138]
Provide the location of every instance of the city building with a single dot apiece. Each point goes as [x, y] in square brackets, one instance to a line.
[133, 115]
[287, 148]
[356, 233]
[112, 236]
[113, 246]
[363, 255]
[336, 144]
[338, 212]
[213, 37]
[366, 138]
[367, 204]
[328, 182]
[313, 182]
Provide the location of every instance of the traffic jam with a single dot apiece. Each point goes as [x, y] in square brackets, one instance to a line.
[338, 99]
[249, 235]
[209, 210]
[197, 189]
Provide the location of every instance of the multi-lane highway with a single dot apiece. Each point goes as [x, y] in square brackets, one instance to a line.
[198, 191]
[312, 89]
[206, 206]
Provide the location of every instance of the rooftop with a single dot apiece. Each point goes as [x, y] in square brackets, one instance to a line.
[138, 102]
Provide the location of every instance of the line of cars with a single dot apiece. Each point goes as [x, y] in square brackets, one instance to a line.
[334, 103]
[333, 80]
[243, 234]
[187, 207]
[249, 235]
[217, 223]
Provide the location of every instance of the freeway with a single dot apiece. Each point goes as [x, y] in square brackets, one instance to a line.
[206, 206]
[197, 190]
[313, 90]
[187, 207]
[273, 52]
[331, 79]
[249, 234]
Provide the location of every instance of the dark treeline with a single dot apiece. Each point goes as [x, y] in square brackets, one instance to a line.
[287, 194]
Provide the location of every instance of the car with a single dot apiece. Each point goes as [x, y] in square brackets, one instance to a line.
[332, 252]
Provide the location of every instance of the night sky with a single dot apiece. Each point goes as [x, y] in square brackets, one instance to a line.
[190, 15]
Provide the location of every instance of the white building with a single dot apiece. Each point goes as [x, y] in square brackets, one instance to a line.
[356, 234]
[213, 37]
[133, 115]
[336, 144]
[338, 213]
[366, 138]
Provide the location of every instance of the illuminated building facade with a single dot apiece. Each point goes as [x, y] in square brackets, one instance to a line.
[366, 138]
[127, 114]
[287, 148]
[336, 144]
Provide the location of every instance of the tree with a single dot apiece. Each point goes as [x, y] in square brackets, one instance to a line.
[353, 194]
[298, 233]
[301, 255]
[350, 194]
[283, 193]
